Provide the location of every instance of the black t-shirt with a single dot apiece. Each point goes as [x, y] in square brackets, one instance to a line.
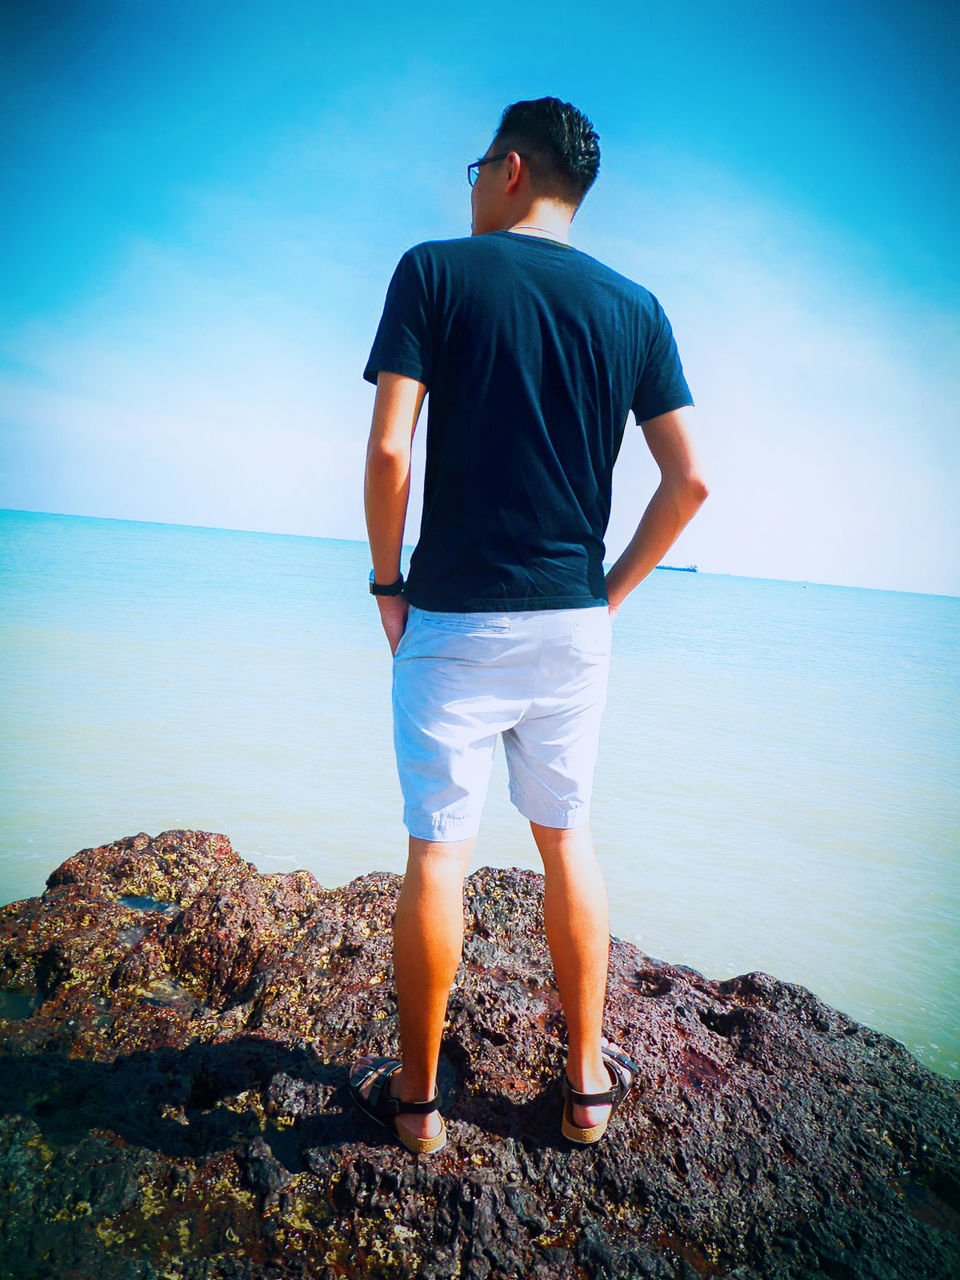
[533, 354]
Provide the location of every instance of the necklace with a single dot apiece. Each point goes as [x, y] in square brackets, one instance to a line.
[527, 226]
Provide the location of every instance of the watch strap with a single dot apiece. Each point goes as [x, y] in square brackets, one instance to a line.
[386, 589]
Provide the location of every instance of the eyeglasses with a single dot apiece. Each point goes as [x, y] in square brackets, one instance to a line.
[473, 170]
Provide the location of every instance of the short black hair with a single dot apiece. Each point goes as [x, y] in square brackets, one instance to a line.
[565, 145]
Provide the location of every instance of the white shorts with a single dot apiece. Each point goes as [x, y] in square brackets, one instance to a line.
[538, 677]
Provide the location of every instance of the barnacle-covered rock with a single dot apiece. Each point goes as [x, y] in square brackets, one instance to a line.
[176, 1035]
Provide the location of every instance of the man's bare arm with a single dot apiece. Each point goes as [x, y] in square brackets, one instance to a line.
[386, 488]
[678, 498]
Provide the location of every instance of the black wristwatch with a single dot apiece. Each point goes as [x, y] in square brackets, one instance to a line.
[377, 588]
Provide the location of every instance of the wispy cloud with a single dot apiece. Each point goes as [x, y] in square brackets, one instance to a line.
[187, 395]
[827, 404]
[216, 380]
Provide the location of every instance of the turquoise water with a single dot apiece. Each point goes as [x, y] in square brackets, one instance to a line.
[776, 790]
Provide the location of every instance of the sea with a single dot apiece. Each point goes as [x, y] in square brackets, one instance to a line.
[777, 787]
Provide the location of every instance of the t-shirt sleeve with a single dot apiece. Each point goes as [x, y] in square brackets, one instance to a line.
[403, 342]
[661, 385]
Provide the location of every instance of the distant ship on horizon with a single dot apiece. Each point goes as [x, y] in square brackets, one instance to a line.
[679, 568]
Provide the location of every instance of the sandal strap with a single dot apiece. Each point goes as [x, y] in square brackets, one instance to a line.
[590, 1099]
[380, 1100]
[397, 1105]
[597, 1099]
[614, 1095]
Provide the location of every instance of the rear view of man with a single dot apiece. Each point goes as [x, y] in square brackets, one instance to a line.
[534, 354]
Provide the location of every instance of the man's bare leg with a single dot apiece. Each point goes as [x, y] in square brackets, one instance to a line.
[576, 918]
[427, 947]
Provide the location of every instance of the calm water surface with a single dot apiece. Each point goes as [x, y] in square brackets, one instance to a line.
[776, 790]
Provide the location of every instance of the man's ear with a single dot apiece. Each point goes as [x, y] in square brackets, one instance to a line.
[513, 172]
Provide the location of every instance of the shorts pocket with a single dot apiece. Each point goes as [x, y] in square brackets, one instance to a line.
[591, 633]
[464, 623]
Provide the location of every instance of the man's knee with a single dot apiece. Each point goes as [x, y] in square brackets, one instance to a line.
[558, 843]
[440, 856]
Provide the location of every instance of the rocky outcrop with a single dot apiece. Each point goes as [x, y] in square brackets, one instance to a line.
[173, 1062]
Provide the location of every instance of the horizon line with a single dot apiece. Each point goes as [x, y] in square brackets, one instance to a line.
[409, 546]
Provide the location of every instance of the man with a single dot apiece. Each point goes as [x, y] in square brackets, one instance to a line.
[534, 354]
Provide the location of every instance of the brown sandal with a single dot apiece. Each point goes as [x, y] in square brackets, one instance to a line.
[379, 1106]
[622, 1071]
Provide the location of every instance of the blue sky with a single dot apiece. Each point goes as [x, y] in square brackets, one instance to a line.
[205, 202]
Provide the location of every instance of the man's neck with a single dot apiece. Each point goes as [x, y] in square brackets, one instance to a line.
[544, 219]
[540, 233]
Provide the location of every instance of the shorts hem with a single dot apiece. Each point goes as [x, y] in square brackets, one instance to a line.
[562, 819]
[441, 830]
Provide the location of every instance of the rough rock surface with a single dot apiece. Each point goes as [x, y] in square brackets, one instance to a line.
[173, 1103]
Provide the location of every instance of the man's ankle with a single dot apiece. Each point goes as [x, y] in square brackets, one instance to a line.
[586, 1075]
